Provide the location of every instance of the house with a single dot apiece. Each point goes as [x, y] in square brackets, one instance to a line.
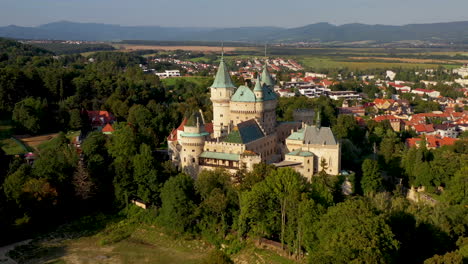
[383, 104]
[446, 130]
[354, 110]
[396, 123]
[347, 95]
[432, 142]
[427, 129]
[430, 93]
[99, 119]
[390, 75]
[168, 73]
[285, 93]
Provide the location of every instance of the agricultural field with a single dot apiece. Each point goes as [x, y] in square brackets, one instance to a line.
[133, 47]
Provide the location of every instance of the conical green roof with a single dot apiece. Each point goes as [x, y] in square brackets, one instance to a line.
[266, 77]
[222, 79]
[258, 84]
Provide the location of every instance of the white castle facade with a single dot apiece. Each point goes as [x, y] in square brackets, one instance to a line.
[245, 132]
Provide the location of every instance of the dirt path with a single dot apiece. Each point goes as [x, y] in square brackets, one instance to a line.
[4, 259]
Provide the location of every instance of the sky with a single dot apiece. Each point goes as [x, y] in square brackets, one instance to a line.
[233, 13]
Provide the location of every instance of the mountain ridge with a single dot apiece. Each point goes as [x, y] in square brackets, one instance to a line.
[318, 32]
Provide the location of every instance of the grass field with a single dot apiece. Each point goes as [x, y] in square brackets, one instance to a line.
[9, 145]
[36, 141]
[125, 241]
[317, 63]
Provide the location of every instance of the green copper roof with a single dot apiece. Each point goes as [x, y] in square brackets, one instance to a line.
[243, 94]
[298, 135]
[222, 79]
[301, 153]
[201, 134]
[266, 77]
[220, 155]
[258, 84]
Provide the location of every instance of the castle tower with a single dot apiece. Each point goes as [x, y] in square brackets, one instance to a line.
[221, 91]
[192, 141]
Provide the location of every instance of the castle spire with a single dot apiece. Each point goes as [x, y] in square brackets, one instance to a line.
[258, 84]
[266, 77]
[318, 121]
[222, 79]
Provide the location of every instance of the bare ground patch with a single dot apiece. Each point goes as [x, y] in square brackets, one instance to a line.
[35, 141]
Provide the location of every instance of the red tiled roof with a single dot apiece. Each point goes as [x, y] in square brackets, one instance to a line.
[385, 117]
[209, 128]
[424, 90]
[108, 128]
[432, 141]
[424, 128]
[100, 117]
[379, 101]
[360, 120]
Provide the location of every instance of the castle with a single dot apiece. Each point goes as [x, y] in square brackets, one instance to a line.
[244, 132]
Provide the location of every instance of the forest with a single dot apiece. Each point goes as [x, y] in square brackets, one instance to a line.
[313, 222]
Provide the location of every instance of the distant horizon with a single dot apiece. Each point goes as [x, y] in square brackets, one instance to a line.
[246, 26]
[228, 14]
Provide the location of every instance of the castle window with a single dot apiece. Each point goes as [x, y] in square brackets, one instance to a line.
[193, 160]
[185, 159]
[221, 115]
[193, 150]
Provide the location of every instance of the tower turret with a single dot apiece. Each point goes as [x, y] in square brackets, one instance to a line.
[221, 91]
[192, 141]
[258, 89]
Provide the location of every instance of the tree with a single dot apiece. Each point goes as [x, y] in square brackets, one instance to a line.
[351, 232]
[371, 181]
[13, 185]
[457, 188]
[76, 122]
[30, 115]
[146, 176]
[347, 127]
[178, 204]
[219, 204]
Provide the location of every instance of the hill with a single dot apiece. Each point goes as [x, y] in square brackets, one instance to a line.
[10, 50]
[456, 32]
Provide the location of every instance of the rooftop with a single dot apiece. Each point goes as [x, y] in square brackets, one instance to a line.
[220, 155]
[314, 135]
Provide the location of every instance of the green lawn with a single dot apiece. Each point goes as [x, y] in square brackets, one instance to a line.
[108, 239]
[12, 147]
